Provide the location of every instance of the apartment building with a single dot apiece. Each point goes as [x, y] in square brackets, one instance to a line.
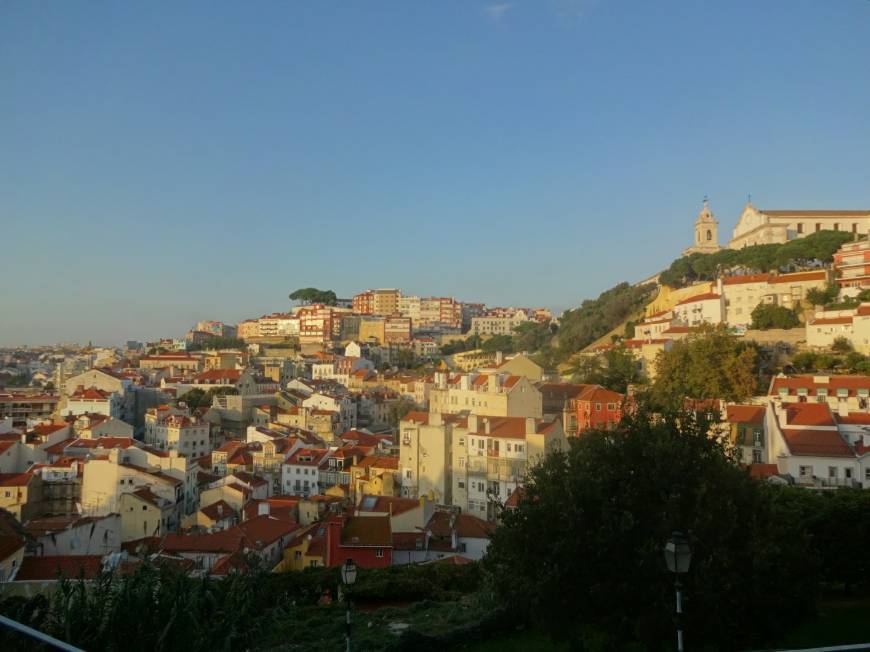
[852, 266]
[470, 461]
[22, 407]
[485, 394]
[852, 324]
[174, 429]
[498, 322]
[383, 302]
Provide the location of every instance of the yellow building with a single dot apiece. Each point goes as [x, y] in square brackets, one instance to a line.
[305, 550]
[21, 495]
[144, 514]
[498, 395]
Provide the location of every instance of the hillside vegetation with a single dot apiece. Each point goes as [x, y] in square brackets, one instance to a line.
[795, 254]
[581, 326]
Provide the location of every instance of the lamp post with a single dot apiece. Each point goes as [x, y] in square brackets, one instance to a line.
[348, 577]
[678, 556]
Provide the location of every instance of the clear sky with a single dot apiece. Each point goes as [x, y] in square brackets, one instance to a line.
[164, 162]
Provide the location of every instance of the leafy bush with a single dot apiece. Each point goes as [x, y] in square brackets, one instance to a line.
[766, 316]
[608, 505]
[799, 253]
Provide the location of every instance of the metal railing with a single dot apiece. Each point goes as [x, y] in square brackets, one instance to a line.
[39, 636]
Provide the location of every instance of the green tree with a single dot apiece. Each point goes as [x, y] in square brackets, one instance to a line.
[531, 336]
[614, 369]
[710, 363]
[766, 316]
[841, 345]
[398, 410]
[804, 361]
[405, 359]
[313, 295]
[823, 297]
[503, 343]
[609, 503]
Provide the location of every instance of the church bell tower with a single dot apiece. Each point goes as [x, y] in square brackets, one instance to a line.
[706, 240]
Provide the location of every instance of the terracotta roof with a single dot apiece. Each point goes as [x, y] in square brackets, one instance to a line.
[746, 278]
[9, 545]
[367, 531]
[379, 461]
[225, 541]
[808, 414]
[392, 505]
[808, 382]
[235, 562]
[91, 394]
[219, 510]
[53, 566]
[762, 471]
[827, 321]
[854, 418]
[798, 277]
[465, 525]
[408, 540]
[262, 531]
[14, 479]
[821, 443]
[707, 296]
[753, 414]
[144, 493]
[598, 394]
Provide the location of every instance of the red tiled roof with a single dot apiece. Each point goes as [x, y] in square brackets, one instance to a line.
[826, 321]
[799, 276]
[379, 461]
[9, 545]
[821, 443]
[144, 493]
[747, 278]
[392, 505]
[225, 541]
[367, 531]
[262, 531]
[219, 510]
[762, 471]
[808, 414]
[14, 479]
[854, 418]
[707, 296]
[69, 566]
[753, 414]
[793, 383]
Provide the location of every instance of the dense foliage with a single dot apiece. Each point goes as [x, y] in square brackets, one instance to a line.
[794, 254]
[160, 608]
[313, 295]
[582, 555]
[766, 316]
[851, 362]
[615, 369]
[215, 343]
[708, 364]
[197, 398]
[595, 318]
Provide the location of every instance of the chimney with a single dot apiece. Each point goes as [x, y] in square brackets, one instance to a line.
[843, 408]
[530, 426]
[472, 423]
[499, 357]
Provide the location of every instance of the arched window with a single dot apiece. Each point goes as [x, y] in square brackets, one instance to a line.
[709, 235]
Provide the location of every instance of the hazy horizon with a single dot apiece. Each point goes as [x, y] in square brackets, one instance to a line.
[163, 164]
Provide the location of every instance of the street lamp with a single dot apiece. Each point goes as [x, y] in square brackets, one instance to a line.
[678, 556]
[348, 577]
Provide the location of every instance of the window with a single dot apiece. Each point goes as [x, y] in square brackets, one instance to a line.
[408, 474]
[758, 438]
[756, 457]
[847, 473]
[805, 472]
[461, 462]
[800, 227]
[709, 235]
[598, 407]
[519, 448]
[832, 471]
[379, 553]
[854, 228]
[818, 226]
[836, 226]
[461, 484]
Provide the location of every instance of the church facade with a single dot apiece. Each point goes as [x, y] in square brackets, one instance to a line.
[761, 226]
[757, 226]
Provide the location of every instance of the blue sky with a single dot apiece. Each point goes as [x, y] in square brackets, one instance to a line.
[167, 162]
